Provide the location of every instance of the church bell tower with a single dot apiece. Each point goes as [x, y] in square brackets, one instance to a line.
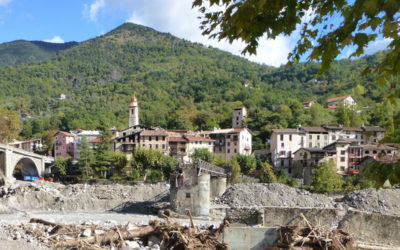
[133, 112]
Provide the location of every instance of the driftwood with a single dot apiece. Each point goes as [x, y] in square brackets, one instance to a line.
[108, 238]
[171, 235]
[304, 235]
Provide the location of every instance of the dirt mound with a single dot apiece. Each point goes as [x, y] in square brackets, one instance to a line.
[273, 194]
[47, 196]
[386, 201]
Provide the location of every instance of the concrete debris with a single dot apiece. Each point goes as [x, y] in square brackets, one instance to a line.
[385, 201]
[54, 197]
[272, 195]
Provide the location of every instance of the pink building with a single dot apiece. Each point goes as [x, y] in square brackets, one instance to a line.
[64, 144]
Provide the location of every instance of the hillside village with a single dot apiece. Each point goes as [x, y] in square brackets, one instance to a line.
[297, 151]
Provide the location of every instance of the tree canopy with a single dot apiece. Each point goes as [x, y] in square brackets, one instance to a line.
[326, 26]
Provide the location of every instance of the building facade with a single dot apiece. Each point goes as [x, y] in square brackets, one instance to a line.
[239, 116]
[64, 144]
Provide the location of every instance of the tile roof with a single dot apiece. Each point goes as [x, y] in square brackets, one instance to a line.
[95, 140]
[197, 138]
[176, 139]
[307, 102]
[155, 132]
[337, 98]
[373, 129]
[314, 129]
[287, 130]
[64, 133]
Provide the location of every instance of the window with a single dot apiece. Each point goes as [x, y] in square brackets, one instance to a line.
[188, 195]
[290, 170]
[342, 159]
[229, 151]
[209, 143]
[374, 152]
[143, 145]
[283, 152]
[318, 137]
[156, 145]
[235, 150]
[282, 145]
[325, 137]
[290, 137]
[163, 146]
[281, 137]
[229, 144]
[367, 152]
[282, 163]
[310, 136]
[343, 152]
[149, 138]
[342, 168]
[236, 142]
[310, 145]
[156, 138]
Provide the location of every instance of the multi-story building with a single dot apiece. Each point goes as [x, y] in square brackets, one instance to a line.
[64, 144]
[32, 145]
[183, 146]
[372, 134]
[229, 142]
[284, 142]
[317, 137]
[91, 137]
[239, 116]
[154, 139]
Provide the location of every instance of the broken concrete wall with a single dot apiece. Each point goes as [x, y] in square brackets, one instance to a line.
[367, 227]
[218, 186]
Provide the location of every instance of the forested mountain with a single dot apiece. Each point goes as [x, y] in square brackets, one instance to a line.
[179, 84]
[21, 51]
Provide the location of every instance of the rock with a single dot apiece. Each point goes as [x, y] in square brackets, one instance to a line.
[130, 226]
[155, 247]
[132, 244]
[153, 240]
[87, 232]
[98, 232]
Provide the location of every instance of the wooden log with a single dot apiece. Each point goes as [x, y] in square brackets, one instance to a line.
[44, 222]
[107, 238]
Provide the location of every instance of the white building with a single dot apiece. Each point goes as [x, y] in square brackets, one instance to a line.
[347, 101]
[239, 116]
[90, 136]
[284, 142]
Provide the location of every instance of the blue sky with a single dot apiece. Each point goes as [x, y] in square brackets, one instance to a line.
[74, 20]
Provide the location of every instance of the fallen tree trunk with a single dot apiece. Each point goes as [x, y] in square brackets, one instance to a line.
[108, 238]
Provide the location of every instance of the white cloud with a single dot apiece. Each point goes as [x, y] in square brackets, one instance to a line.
[178, 18]
[4, 2]
[376, 46]
[92, 11]
[55, 39]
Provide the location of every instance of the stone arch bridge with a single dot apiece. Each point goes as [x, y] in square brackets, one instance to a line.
[31, 164]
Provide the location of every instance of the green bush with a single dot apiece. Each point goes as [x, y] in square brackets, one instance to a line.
[135, 174]
[154, 176]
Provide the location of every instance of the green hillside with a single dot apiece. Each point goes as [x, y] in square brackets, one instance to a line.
[180, 84]
[21, 51]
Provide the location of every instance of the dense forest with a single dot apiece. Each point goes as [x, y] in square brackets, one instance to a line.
[22, 51]
[180, 84]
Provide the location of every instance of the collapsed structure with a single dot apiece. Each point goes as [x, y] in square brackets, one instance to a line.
[193, 186]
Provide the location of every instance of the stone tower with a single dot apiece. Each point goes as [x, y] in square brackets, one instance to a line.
[133, 112]
[238, 117]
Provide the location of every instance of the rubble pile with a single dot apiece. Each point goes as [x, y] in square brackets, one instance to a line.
[306, 236]
[156, 235]
[47, 196]
[273, 194]
[386, 201]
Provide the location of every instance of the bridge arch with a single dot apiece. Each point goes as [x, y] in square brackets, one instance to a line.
[25, 167]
